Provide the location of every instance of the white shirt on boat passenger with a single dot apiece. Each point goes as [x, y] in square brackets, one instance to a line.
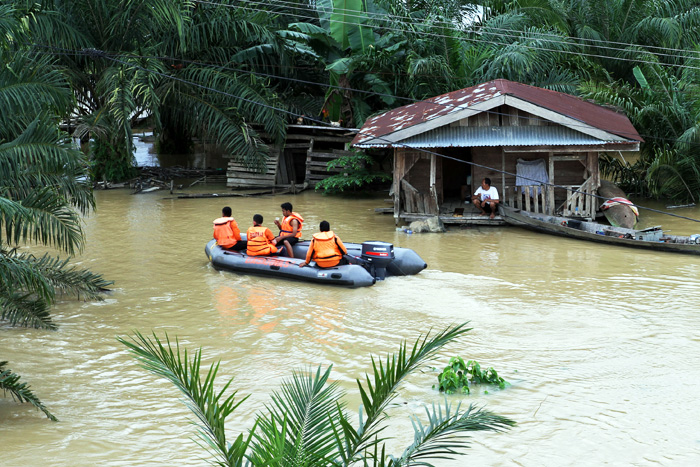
[491, 193]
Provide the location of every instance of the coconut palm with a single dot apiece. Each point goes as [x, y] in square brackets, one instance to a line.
[307, 423]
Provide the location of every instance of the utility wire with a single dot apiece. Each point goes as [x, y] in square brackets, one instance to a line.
[100, 54]
[532, 36]
[373, 93]
[408, 20]
[482, 41]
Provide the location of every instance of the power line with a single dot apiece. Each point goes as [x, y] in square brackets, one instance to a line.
[520, 35]
[328, 85]
[99, 54]
[408, 20]
[482, 41]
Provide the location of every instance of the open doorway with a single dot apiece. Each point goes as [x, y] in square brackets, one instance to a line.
[456, 173]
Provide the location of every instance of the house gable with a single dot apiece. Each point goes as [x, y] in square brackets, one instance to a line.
[398, 125]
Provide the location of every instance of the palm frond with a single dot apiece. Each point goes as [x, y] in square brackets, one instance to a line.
[29, 86]
[17, 273]
[45, 220]
[10, 382]
[211, 407]
[69, 280]
[387, 376]
[447, 433]
[24, 310]
[303, 413]
[673, 174]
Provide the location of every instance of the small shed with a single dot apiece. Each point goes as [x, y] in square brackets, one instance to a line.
[300, 163]
[524, 138]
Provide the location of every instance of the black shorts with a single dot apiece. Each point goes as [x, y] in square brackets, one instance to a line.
[239, 246]
[292, 241]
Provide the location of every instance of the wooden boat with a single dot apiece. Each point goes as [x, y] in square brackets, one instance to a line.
[620, 214]
[652, 238]
[369, 262]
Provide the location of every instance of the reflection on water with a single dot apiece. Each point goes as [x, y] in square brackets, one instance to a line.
[599, 342]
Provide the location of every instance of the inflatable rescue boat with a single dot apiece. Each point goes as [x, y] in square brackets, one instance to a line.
[369, 262]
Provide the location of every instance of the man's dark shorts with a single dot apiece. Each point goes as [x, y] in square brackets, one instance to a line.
[293, 241]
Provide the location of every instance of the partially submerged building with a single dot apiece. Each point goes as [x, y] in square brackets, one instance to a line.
[524, 138]
[300, 163]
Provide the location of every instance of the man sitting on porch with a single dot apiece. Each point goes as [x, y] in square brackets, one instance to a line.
[486, 198]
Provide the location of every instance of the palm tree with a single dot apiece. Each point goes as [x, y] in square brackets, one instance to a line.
[187, 65]
[664, 108]
[307, 422]
[184, 64]
[44, 189]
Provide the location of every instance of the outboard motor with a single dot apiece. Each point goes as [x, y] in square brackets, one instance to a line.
[377, 256]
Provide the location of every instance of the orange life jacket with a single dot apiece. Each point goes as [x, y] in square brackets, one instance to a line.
[287, 228]
[259, 241]
[226, 232]
[326, 249]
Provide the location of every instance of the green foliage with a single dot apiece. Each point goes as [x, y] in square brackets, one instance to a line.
[662, 106]
[307, 422]
[111, 161]
[457, 376]
[170, 61]
[356, 173]
[20, 392]
[631, 178]
[44, 189]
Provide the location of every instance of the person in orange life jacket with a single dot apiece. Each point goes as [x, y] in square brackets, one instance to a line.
[261, 241]
[326, 248]
[290, 228]
[226, 232]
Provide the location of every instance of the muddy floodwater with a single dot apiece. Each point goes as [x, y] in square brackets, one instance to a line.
[600, 343]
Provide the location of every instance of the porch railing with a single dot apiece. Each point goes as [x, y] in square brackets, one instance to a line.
[579, 200]
[531, 198]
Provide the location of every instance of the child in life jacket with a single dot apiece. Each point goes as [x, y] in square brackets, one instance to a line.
[326, 248]
[226, 232]
[261, 240]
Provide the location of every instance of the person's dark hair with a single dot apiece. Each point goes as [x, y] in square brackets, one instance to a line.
[226, 211]
[325, 226]
[258, 219]
[487, 181]
[286, 206]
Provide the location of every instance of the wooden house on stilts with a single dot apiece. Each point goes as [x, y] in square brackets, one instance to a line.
[525, 139]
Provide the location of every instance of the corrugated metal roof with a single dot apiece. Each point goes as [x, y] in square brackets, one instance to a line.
[464, 137]
[420, 112]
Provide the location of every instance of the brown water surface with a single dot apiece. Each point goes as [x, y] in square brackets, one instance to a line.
[600, 343]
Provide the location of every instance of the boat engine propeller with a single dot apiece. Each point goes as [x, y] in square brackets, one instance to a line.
[376, 256]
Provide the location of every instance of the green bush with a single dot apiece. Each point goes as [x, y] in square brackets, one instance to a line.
[357, 173]
[457, 376]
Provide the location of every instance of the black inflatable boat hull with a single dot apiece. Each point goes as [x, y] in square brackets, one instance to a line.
[406, 262]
